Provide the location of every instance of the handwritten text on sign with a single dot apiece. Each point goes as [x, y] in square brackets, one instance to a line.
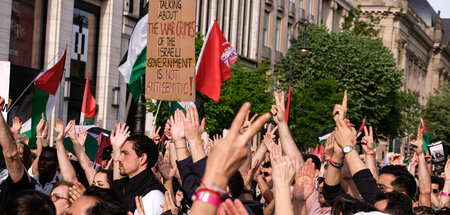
[171, 50]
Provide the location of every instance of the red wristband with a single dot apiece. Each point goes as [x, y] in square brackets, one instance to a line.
[372, 154]
[207, 197]
[445, 194]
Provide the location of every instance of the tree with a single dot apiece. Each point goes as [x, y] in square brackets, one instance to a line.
[244, 85]
[356, 63]
[436, 115]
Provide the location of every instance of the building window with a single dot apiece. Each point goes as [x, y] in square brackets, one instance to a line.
[277, 36]
[266, 29]
[288, 42]
[83, 57]
[27, 33]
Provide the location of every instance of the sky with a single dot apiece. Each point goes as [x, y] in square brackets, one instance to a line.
[442, 5]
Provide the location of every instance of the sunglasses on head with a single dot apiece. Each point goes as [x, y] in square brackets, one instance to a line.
[264, 173]
[435, 191]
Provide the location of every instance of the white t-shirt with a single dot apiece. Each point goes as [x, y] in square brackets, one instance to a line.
[152, 203]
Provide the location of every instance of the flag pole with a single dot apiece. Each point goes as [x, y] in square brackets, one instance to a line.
[156, 115]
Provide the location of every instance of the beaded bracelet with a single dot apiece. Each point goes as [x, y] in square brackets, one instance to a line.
[335, 164]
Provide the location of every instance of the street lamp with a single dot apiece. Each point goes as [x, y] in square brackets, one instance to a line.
[303, 49]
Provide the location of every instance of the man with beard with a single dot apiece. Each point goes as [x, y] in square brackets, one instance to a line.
[134, 157]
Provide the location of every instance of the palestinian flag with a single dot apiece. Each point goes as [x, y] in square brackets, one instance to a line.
[426, 135]
[41, 99]
[96, 140]
[324, 134]
[133, 63]
[88, 106]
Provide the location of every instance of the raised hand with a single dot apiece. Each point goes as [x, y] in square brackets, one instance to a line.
[279, 110]
[247, 122]
[76, 191]
[344, 134]
[447, 170]
[155, 134]
[119, 135]
[417, 145]
[231, 151]
[283, 171]
[367, 141]
[177, 125]
[39, 126]
[274, 149]
[395, 159]
[81, 136]
[169, 204]
[235, 207]
[304, 181]
[59, 128]
[17, 124]
[167, 132]
[270, 133]
[329, 148]
[341, 110]
[248, 176]
[192, 127]
[139, 206]
[163, 165]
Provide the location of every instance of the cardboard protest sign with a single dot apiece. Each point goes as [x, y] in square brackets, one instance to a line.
[4, 82]
[170, 65]
[437, 152]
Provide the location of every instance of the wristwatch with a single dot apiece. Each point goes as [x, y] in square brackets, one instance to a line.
[348, 149]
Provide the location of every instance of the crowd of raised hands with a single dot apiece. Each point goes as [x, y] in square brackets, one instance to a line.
[234, 175]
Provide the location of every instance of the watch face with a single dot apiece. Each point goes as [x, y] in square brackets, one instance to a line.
[347, 149]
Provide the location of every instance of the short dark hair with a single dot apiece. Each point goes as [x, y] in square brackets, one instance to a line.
[109, 175]
[51, 150]
[404, 181]
[423, 210]
[343, 206]
[29, 202]
[27, 157]
[236, 184]
[437, 180]
[106, 202]
[398, 203]
[314, 159]
[143, 144]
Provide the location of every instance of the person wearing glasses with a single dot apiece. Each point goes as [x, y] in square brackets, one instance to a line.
[60, 196]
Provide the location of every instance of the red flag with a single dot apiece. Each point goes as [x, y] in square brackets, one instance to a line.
[213, 66]
[361, 129]
[288, 105]
[316, 150]
[49, 80]
[321, 151]
[89, 103]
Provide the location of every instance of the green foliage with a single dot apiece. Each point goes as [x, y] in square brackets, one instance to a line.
[354, 24]
[436, 115]
[359, 64]
[244, 85]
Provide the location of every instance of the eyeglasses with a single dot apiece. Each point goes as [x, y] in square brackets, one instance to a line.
[55, 198]
[320, 180]
[264, 173]
[435, 191]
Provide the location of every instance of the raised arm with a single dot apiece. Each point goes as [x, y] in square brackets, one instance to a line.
[287, 142]
[193, 132]
[177, 132]
[78, 141]
[67, 170]
[118, 136]
[39, 143]
[367, 145]
[283, 173]
[10, 151]
[445, 197]
[226, 158]
[424, 174]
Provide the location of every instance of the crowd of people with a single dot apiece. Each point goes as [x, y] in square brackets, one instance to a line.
[223, 176]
